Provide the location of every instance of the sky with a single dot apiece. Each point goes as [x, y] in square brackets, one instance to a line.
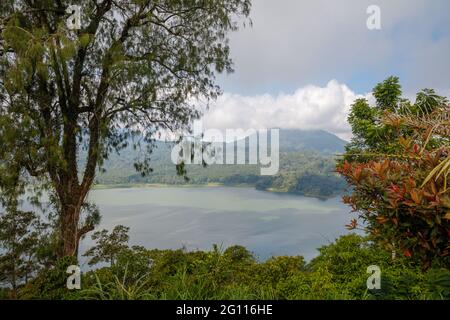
[303, 62]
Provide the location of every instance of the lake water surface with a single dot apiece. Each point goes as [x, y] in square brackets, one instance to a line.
[196, 218]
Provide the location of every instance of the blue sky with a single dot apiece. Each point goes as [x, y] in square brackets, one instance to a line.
[304, 62]
[294, 43]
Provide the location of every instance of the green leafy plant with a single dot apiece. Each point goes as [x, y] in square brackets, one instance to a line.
[402, 197]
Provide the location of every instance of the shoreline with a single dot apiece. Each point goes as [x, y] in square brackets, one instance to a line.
[207, 185]
[165, 185]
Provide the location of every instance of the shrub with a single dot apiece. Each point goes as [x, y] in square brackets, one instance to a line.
[50, 284]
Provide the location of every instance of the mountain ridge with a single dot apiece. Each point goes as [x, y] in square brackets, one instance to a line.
[307, 164]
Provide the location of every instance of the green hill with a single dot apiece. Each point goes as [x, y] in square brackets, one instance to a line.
[311, 140]
[306, 167]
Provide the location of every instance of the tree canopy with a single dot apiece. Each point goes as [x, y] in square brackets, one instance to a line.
[133, 66]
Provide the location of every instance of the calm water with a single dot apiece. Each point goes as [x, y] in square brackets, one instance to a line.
[196, 218]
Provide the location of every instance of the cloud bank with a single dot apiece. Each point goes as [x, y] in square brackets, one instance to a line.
[308, 108]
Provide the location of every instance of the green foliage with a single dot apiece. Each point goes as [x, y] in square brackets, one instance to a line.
[397, 165]
[318, 285]
[108, 246]
[320, 185]
[388, 94]
[362, 118]
[438, 284]
[277, 269]
[338, 272]
[111, 287]
[50, 284]
[371, 133]
[19, 247]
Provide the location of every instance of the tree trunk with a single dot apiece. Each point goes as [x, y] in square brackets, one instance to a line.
[70, 197]
[70, 230]
[70, 217]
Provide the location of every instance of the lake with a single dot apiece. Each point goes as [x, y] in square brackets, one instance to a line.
[197, 217]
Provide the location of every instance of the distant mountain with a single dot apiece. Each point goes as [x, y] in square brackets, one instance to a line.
[310, 140]
[307, 164]
[318, 141]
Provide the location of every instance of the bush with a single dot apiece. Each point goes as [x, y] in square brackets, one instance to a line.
[50, 284]
[339, 272]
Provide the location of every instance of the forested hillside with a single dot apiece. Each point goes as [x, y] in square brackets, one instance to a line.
[307, 165]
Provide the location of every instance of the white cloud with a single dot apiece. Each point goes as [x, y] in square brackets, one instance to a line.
[310, 107]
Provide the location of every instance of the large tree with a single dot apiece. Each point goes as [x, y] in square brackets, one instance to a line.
[134, 65]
